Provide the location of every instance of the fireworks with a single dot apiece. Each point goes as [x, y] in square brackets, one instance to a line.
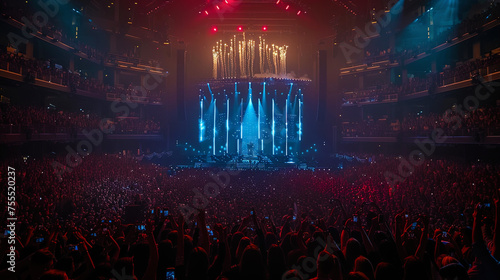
[237, 58]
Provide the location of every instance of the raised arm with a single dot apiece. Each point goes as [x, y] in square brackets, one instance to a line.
[179, 227]
[479, 248]
[423, 239]
[88, 262]
[153, 253]
[204, 240]
[496, 234]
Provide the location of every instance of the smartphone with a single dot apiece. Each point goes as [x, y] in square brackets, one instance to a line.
[210, 232]
[406, 216]
[93, 234]
[355, 218]
[165, 213]
[267, 218]
[252, 212]
[152, 211]
[170, 274]
[445, 234]
[39, 240]
[7, 232]
[413, 226]
[141, 227]
[73, 247]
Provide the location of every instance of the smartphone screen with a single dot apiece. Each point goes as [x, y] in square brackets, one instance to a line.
[413, 226]
[355, 219]
[170, 274]
[141, 227]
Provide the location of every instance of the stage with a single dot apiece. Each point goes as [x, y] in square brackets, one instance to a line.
[250, 117]
[241, 162]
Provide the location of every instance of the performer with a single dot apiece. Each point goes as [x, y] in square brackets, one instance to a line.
[250, 148]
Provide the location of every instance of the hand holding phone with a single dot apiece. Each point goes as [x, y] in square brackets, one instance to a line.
[413, 226]
[170, 274]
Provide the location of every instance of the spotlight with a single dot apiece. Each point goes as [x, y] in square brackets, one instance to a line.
[240, 28]
[277, 2]
[298, 13]
[217, 6]
[214, 28]
[206, 12]
[264, 28]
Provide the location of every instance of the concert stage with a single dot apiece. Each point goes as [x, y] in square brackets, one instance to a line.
[241, 162]
[251, 117]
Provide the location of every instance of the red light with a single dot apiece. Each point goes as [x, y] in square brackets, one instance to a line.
[264, 28]
[287, 6]
[277, 2]
[217, 6]
[214, 29]
[240, 28]
[298, 13]
[206, 12]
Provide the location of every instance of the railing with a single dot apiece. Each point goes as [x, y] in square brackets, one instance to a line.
[35, 129]
[41, 75]
[52, 129]
[63, 80]
[464, 131]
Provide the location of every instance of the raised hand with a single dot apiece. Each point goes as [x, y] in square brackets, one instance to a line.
[149, 226]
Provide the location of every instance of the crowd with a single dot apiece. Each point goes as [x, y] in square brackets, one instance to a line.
[49, 71]
[485, 121]
[469, 25]
[482, 119]
[19, 9]
[288, 224]
[467, 70]
[44, 120]
[462, 71]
